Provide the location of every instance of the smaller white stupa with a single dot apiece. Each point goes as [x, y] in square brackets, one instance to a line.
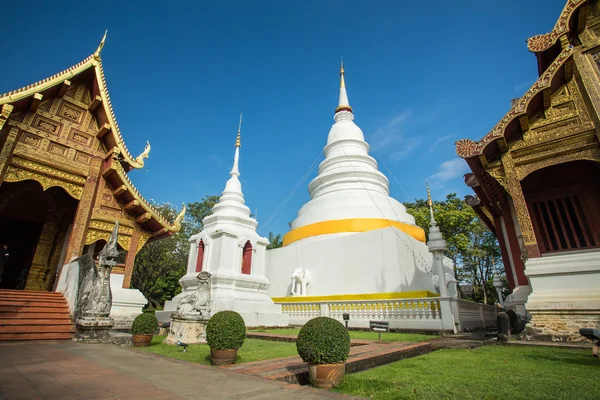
[231, 250]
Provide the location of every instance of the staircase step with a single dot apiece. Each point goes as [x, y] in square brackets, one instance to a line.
[33, 303]
[35, 336]
[27, 297]
[33, 309]
[22, 314]
[30, 322]
[37, 328]
[4, 292]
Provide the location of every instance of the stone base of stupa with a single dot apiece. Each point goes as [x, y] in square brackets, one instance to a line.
[186, 331]
[378, 261]
[246, 295]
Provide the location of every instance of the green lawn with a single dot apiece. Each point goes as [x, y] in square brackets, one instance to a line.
[252, 350]
[358, 335]
[488, 372]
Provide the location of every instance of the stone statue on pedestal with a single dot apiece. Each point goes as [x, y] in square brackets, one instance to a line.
[188, 323]
[94, 299]
[196, 305]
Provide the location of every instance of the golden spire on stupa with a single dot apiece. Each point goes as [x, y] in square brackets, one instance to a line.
[342, 82]
[237, 141]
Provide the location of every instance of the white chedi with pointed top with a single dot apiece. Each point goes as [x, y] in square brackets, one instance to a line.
[352, 239]
[349, 194]
[230, 249]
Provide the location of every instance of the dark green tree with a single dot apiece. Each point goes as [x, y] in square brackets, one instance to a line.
[198, 210]
[473, 249]
[275, 241]
[160, 263]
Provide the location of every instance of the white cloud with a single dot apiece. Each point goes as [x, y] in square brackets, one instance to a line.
[390, 139]
[521, 87]
[448, 170]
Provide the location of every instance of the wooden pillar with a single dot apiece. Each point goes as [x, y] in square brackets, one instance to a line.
[506, 257]
[84, 211]
[516, 192]
[130, 258]
[6, 151]
[40, 267]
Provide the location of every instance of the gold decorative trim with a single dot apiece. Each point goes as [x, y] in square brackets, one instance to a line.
[47, 170]
[107, 226]
[516, 192]
[466, 148]
[142, 241]
[15, 174]
[589, 154]
[93, 235]
[539, 43]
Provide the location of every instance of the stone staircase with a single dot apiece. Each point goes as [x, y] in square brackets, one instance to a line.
[29, 315]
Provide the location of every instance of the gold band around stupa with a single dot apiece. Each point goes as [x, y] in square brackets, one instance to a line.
[351, 225]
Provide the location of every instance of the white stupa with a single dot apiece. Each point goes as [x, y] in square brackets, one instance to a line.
[350, 194]
[351, 239]
[230, 249]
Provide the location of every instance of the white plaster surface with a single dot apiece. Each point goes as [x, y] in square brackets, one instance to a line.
[565, 282]
[126, 303]
[383, 260]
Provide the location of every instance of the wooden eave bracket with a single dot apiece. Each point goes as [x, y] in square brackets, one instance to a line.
[524, 122]
[95, 103]
[110, 169]
[35, 102]
[104, 129]
[131, 205]
[64, 88]
[547, 97]
[502, 144]
[569, 70]
[145, 217]
[120, 190]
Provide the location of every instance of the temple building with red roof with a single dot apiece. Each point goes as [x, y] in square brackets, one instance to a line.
[536, 180]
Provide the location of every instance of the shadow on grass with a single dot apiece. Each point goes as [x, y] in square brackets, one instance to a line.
[571, 359]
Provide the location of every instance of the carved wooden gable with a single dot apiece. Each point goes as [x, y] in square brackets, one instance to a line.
[61, 130]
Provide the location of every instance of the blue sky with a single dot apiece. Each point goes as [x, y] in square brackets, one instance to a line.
[420, 76]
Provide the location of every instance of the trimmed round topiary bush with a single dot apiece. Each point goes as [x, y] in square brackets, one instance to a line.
[323, 340]
[144, 324]
[225, 330]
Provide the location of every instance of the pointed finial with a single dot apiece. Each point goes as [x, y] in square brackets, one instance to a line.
[429, 201]
[237, 141]
[343, 104]
[342, 83]
[100, 46]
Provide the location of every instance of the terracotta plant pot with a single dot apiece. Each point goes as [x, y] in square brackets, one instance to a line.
[141, 340]
[223, 357]
[326, 376]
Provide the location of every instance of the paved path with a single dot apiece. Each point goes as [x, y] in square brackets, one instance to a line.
[294, 370]
[68, 370]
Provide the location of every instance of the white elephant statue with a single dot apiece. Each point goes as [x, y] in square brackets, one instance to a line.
[300, 280]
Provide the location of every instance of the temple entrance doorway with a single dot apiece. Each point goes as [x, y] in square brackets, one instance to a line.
[563, 203]
[35, 225]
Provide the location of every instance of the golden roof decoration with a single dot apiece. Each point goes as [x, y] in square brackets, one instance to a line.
[93, 61]
[466, 148]
[539, 43]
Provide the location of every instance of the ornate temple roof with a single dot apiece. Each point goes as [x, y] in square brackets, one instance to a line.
[118, 159]
[53, 83]
[552, 55]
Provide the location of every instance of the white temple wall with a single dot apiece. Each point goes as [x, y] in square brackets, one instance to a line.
[369, 262]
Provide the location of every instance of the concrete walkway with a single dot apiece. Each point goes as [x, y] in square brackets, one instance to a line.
[68, 370]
